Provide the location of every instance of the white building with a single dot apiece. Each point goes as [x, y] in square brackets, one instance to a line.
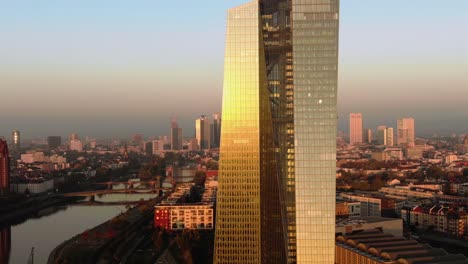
[185, 216]
[33, 187]
[173, 216]
[369, 206]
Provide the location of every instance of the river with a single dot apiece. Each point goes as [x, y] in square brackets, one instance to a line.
[56, 225]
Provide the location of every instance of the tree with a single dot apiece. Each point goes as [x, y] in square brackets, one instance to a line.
[465, 172]
[435, 172]
[102, 171]
[200, 178]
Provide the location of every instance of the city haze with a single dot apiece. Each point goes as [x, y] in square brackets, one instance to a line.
[114, 68]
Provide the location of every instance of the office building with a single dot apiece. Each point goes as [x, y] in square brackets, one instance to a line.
[389, 136]
[172, 215]
[136, 139]
[355, 128]
[405, 132]
[279, 131]
[215, 130]
[176, 136]
[158, 147]
[148, 147]
[381, 135]
[15, 140]
[367, 136]
[4, 168]
[202, 132]
[54, 142]
[76, 145]
[73, 136]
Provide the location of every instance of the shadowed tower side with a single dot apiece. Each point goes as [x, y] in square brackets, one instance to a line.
[301, 44]
[248, 219]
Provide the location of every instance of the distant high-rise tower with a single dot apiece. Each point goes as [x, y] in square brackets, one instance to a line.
[136, 139]
[54, 142]
[355, 128]
[74, 136]
[281, 70]
[381, 135]
[176, 135]
[367, 136]
[405, 132]
[16, 140]
[390, 137]
[4, 168]
[215, 130]
[202, 132]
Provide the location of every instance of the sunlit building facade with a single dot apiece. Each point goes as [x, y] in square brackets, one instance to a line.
[215, 130]
[390, 137]
[355, 128]
[279, 134]
[202, 132]
[248, 218]
[405, 131]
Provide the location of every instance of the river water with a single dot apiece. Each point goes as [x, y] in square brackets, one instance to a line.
[57, 225]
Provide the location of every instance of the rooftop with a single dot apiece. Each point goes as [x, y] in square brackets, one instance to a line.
[387, 248]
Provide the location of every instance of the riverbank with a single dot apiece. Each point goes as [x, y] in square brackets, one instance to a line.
[103, 243]
[18, 213]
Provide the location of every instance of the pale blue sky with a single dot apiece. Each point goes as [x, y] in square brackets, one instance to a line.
[121, 67]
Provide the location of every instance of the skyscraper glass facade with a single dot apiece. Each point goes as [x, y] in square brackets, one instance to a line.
[202, 132]
[315, 65]
[291, 47]
[248, 222]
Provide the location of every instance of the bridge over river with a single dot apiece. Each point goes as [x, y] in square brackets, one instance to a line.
[136, 187]
[101, 192]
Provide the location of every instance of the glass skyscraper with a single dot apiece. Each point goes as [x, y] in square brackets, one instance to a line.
[276, 197]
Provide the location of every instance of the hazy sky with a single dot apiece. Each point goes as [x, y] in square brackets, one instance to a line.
[115, 68]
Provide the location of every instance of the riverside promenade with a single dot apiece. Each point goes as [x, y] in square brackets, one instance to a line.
[101, 243]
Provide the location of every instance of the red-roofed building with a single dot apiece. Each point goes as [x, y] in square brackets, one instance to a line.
[441, 218]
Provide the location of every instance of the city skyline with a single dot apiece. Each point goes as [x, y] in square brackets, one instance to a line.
[81, 69]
